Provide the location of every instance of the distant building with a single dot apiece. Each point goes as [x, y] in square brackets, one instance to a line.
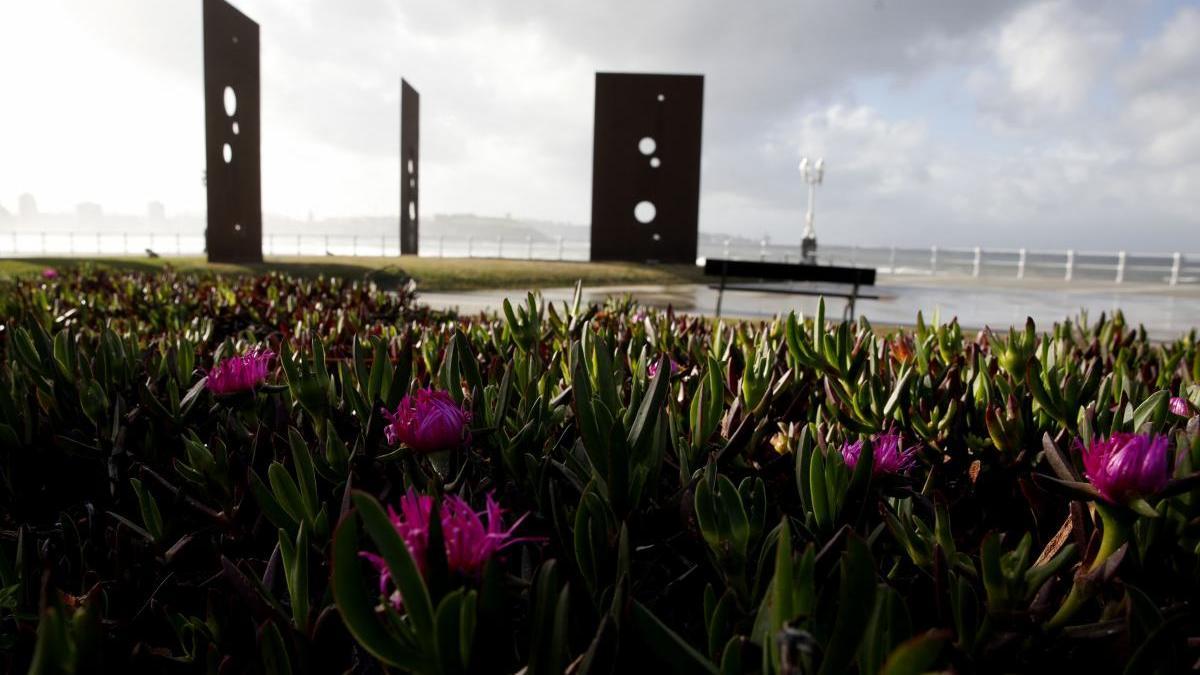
[88, 212]
[156, 212]
[27, 207]
[4, 214]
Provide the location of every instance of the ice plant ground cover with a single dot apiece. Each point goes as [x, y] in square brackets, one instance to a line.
[401, 490]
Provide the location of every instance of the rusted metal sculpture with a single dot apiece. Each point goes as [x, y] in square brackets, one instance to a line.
[231, 125]
[410, 162]
[646, 167]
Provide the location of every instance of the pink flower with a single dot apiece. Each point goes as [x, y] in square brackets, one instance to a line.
[889, 457]
[428, 422]
[469, 543]
[652, 369]
[1180, 406]
[1127, 466]
[49, 273]
[240, 373]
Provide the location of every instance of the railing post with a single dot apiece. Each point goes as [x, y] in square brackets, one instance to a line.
[932, 260]
[1176, 263]
[1021, 265]
[560, 247]
[978, 260]
[892, 261]
[1070, 273]
[1120, 267]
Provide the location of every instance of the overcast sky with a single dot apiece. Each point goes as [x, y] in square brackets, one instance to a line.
[1069, 123]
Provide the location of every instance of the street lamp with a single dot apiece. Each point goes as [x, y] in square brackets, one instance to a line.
[812, 173]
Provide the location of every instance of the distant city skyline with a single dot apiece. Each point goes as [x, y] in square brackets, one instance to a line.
[1037, 123]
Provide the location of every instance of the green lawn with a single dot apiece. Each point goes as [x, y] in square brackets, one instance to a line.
[431, 274]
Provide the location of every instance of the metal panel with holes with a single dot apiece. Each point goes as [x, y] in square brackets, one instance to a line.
[410, 165]
[231, 127]
[646, 167]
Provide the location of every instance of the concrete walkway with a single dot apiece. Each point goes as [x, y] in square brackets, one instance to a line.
[1166, 312]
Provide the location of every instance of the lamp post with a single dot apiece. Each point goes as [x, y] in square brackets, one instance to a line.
[812, 173]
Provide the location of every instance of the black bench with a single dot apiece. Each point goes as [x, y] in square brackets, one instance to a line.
[770, 271]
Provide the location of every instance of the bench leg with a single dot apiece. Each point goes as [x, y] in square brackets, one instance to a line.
[720, 295]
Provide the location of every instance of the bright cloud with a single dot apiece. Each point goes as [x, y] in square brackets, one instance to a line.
[1019, 123]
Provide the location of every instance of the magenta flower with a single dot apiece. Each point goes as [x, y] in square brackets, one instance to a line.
[240, 373]
[49, 273]
[652, 369]
[890, 456]
[1127, 466]
[1180, 406]
[428, 422]
[469, 542]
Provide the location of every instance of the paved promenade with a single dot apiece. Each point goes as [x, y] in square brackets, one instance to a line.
[1166, 312]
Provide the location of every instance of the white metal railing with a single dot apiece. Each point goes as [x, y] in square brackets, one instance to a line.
[1173, 269]
[71, 244]
[1118, 267]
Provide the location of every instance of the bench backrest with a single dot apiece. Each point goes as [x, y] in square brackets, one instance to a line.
[862, 276]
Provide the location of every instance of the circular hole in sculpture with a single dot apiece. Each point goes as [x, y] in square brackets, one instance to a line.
[412, 211]
[230, 101]
[647, 145]
[412, 183]
[236, 129]
[661, 98]
[412, 167]
[644, 212]
[237, 227]
[655, 162]
[656, 237]
[227, 153]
